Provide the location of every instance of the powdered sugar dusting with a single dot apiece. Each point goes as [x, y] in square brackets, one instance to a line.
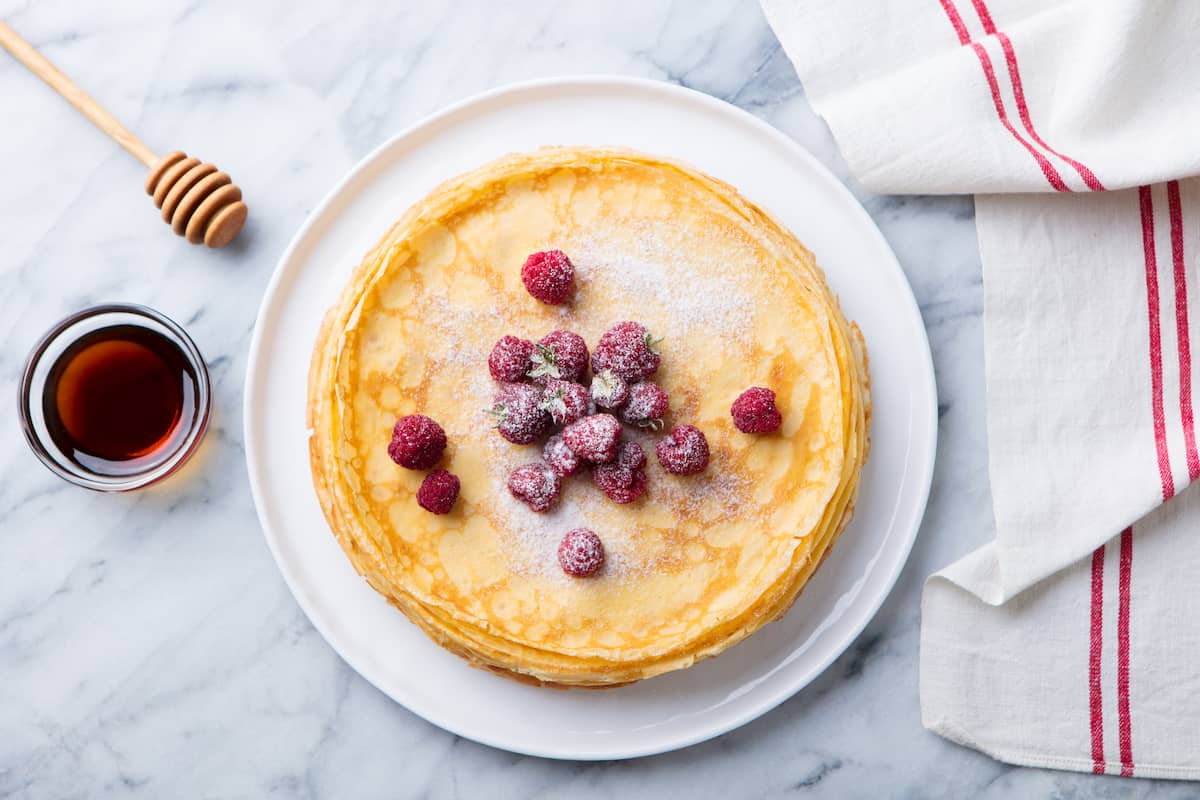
[652, 262]
[530, 541]
[460, 324]
[639, 269]
[720, 492]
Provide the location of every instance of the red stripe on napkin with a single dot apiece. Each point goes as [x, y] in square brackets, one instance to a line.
[985, 16]
[1095, 707]
[1047, 168]
[1175, 210]
[989, 72]
[956, 21]
[1156, 369]
[1124, 724]
[1014, 74]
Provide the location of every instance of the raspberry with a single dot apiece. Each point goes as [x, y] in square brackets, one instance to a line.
[417, 442]
[564, 401]
[559, 457]
[549, 276]
[647, 405]
[594, 438]
[519, 414]
[536, 484]
[684, 451]
[560, 354]
[581, 553]
[754, 411]
[628, 350]
[609, 390]
[624, 478]
[438, 491]
[511, 359]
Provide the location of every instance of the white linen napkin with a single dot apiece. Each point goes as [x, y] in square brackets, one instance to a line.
[1071, 641]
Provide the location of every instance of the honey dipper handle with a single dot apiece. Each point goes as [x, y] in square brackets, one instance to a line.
[24, 52]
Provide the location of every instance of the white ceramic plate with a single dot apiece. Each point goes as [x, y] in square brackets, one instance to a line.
[674, 710]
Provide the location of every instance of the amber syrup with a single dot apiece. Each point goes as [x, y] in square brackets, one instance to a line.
[120, 399]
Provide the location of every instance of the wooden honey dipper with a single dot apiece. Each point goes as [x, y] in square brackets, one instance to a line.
[198, 201]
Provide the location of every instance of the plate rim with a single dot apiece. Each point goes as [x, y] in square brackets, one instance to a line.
[309, 228]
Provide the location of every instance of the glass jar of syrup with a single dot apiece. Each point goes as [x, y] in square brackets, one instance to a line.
[115, 398]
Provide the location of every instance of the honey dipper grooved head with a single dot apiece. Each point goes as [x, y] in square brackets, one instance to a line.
[196, 199]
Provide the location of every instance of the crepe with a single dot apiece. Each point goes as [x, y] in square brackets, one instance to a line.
[700, 562]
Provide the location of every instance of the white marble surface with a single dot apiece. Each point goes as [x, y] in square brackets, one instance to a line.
[148, 647]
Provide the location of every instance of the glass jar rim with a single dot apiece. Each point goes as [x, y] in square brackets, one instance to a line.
[77, 474]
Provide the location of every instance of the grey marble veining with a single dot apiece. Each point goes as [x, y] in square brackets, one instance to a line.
[148, 646]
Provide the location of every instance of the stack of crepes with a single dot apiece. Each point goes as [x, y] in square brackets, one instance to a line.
[698, 564]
